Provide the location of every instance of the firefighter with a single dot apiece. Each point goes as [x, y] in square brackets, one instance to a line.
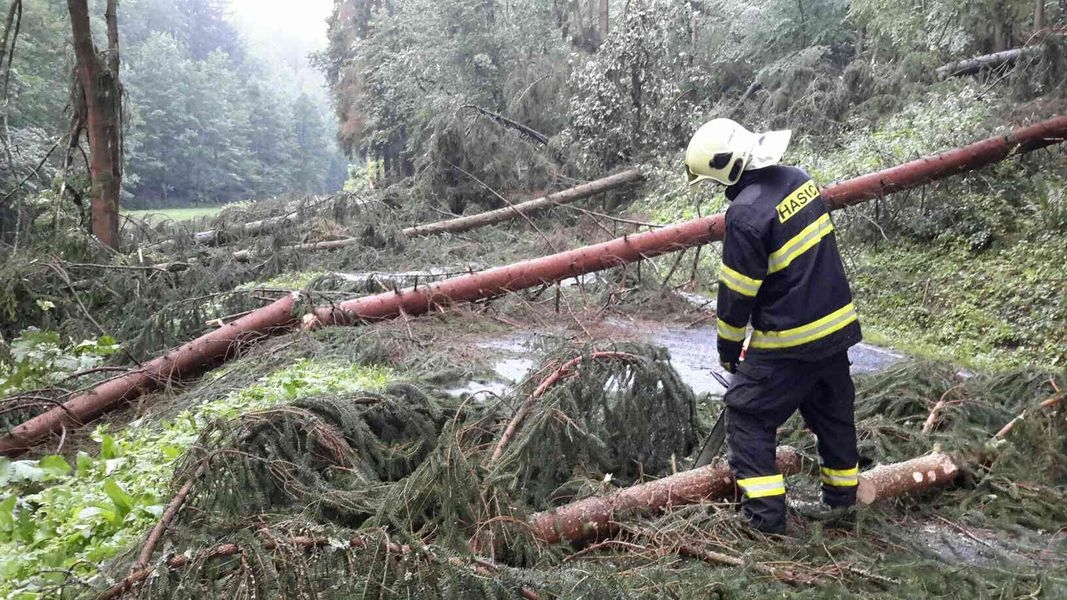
[782, 273]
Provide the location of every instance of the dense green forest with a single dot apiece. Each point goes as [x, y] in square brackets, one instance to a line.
[404, 75]
[267, 391]
[207, 120]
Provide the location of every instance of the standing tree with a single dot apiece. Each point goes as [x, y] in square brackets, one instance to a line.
[310, 153]
[98, 111]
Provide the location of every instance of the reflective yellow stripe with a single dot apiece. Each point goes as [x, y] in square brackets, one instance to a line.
[742, 284]
[798, 199]
[799, 244]
[821, 328]
[761, 487]
[729, 332]
[841, 477]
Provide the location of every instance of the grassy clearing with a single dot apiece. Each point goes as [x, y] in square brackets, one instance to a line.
[62, 517]
[155, 215]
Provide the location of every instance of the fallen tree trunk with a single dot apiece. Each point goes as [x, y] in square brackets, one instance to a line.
[555, 267]
[987, 61]
[595, 517]
[916, 475]
[925, 170]
[491, 217]
[194, 357]
[519, 276]
[214, 237]
[190, 359]
[526, 208]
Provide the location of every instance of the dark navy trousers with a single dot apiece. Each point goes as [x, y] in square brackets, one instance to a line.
[763, 395]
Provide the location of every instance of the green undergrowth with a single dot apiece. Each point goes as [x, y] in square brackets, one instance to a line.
[411, 477]
[59, 519]
[157, 215]
[996, 309]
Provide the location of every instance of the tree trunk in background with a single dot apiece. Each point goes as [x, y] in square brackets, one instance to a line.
[603, 20]
[100, 94]
[1039, 15]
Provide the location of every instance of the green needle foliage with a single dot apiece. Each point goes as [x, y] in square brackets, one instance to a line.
[380, 494]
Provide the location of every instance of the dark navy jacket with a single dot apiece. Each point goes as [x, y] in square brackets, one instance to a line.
[781, 271]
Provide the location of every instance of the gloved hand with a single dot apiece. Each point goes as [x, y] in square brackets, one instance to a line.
[729, 367]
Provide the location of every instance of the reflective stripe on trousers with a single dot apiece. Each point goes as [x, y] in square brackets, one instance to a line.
[761, 487]
[841, 477]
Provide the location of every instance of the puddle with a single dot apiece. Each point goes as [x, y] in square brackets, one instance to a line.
[692, 350]
[513, 369]
[865, 357]
[508, 370]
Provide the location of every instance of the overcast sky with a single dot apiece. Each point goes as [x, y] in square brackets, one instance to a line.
[285, 32]
[304, 20]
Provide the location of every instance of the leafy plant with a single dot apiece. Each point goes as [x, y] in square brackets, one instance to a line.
[38, 358]
[56, 517]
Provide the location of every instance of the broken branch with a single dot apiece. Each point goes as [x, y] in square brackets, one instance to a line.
[566, 369]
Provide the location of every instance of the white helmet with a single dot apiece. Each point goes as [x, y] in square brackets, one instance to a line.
[721, 149]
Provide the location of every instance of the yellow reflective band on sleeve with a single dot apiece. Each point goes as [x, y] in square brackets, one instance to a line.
[729, 332]
[801, 197]
[815, 330]
[742, 284]
[841, 477]
[761, 487]
[799, 244]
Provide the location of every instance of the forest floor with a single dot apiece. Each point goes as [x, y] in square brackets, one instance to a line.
[484, 359]
[382, 432]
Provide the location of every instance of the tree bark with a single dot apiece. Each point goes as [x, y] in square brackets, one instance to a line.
[1039, 15]
[100, 92]
[925, 170]
[604, 24]
[204, 352]
[908, 477]
[596, 517]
